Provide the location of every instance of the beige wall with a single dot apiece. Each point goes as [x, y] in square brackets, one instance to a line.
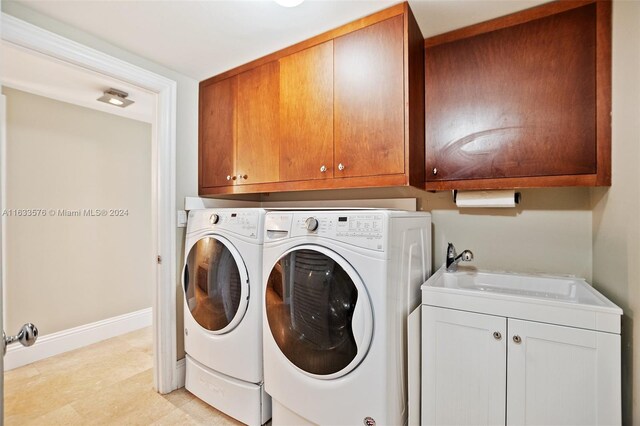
[63, 272]
[616, 211]
[550, 230]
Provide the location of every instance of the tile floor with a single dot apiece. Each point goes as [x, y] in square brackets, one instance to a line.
[108, 383]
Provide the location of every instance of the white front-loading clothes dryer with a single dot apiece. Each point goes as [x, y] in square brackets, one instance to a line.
[339, 286]
[222, 280]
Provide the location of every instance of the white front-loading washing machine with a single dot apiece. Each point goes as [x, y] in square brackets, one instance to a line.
[339, 286]
[222, 281]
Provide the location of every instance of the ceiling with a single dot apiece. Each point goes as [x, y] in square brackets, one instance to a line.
[203, 38]
[41, 75]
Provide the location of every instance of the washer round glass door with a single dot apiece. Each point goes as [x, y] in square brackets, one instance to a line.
[318, 312]
[216, 284]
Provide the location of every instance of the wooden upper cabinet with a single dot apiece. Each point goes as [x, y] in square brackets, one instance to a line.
[258, 125]
[521, 101]
[306, 114]
[369, 100]
[217, 142]
[344, 109]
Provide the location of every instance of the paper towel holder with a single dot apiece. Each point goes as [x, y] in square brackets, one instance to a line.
[454, 194]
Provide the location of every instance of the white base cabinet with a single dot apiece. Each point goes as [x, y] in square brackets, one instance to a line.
[562, 375]
[463, 368]
[480, 369]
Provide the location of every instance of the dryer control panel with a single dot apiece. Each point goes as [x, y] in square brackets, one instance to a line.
[240, 222]
[363, 229]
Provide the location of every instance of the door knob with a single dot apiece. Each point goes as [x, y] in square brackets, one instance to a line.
[27, 335]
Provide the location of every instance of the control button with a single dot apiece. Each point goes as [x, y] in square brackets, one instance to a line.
[214, 218]
[311, 224]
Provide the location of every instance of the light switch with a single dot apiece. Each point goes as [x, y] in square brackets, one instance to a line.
[182, 219]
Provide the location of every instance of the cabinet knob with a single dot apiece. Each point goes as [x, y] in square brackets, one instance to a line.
[340, 166]
[228, 177]
[241, 177]
[497, 335]
[517, 339]
[435, 171]
[233, 177]
[323, 168]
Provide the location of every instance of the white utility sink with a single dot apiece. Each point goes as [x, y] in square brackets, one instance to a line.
[559, 300]
[557, 288]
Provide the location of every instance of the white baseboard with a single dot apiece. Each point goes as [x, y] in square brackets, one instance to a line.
[181, 373]
[77, 337]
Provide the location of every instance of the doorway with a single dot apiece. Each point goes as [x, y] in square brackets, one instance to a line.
[77, 205]
[32, 39]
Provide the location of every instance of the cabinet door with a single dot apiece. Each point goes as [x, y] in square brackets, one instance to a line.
[258, 125]
[562, 375]
[218, 133]
[369, 100]
[516, 102]
[306, 114]
[463, 368]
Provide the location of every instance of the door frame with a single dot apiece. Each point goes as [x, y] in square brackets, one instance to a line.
[163, 170]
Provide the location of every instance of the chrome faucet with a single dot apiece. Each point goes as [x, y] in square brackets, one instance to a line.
[453, 258]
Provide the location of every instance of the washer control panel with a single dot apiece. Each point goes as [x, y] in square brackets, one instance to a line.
[362, 229]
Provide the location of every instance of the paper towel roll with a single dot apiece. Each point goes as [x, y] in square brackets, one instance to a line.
[498, 198]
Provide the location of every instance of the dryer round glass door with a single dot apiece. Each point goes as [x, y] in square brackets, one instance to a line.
[318, 312]
[216, 284]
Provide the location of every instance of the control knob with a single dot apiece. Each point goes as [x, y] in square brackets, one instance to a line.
[214, 218]
[311, 223]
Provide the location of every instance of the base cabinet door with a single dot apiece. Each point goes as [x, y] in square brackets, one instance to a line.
[463, 367]
[562, 375]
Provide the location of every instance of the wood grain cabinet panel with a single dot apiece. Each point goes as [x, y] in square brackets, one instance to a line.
[258, 125]
[369, 100]
[217, 142]
[351, 100]
[306, 114]
[517, 103]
